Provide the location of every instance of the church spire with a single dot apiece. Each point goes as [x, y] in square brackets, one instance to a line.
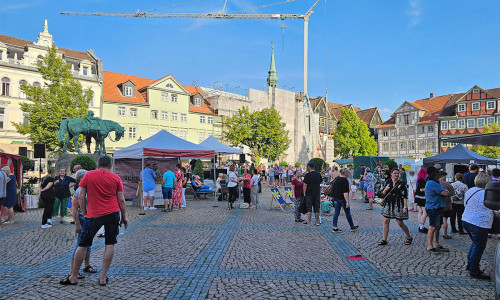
[272, 79]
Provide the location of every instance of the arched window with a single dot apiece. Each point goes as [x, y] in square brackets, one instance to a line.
[37, 84]
[22, 94]
[39, 60]
[5, 87]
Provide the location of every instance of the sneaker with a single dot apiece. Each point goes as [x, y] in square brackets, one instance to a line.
[45, 226]
[152, 208]
[49, 221]
[480, 276]
[354, 228]
[423, 230]
[336, 230]
[146, 208]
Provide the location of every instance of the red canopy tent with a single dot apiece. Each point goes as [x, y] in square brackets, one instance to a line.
[16, 168]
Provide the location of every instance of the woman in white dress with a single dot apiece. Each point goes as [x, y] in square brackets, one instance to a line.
[412, 187]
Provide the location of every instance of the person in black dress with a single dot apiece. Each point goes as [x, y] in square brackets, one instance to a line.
[47, 195]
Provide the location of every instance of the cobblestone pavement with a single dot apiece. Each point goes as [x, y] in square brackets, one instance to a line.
[210, 252]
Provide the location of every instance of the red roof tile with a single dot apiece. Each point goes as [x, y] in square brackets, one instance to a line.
[205, 107]
[366, 115]
[111, 92]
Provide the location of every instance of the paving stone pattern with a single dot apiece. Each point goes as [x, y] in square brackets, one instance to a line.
[206, 252]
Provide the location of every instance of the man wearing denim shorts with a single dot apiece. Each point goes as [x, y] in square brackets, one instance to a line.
[435, 194]
[167, 188]
[101, 207]
[147, 177]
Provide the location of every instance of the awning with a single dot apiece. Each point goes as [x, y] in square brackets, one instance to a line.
[486, 139]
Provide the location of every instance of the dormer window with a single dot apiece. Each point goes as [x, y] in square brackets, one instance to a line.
[461, 107]
[197, 101]
[128, 91]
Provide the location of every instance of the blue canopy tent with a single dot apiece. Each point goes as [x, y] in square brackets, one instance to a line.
[344, 161]
[212, 143]
[459, 155]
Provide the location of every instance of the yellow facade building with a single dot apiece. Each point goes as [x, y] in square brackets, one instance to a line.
[18, 61]
[146, 106]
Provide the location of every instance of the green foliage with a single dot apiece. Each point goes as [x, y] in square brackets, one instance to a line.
[252, 167]
[488, 151]
[28, 164]
[61, 97]
[428, 152]
[352, 136]
[298, 164]
[391, 164]
[319, 164]
[262, 131]
[85, 161]
[283, 164]
[198, 169]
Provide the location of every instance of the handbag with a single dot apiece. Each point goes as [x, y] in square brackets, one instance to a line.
[329, 190]
[303, 206]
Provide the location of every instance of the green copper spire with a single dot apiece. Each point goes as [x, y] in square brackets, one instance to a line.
[272, 79]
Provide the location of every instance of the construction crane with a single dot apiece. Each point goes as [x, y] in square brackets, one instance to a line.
[218, 15]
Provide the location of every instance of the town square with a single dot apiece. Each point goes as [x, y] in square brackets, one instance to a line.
[230, 149]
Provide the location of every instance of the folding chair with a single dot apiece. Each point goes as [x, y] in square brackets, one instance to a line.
[281, 201]
[289, 193]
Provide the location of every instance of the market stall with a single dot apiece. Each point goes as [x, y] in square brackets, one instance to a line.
[162, 148]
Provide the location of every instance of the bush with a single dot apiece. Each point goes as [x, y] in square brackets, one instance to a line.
[28, 164]
[283, 164]
[298, 164]
[85, 161]
[319, 163]
[198, 169]
[391, 164]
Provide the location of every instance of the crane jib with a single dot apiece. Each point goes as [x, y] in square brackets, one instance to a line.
[186, 15]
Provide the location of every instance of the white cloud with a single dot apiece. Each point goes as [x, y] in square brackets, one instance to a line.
[19, 6]
[385, 110]
[415, 11]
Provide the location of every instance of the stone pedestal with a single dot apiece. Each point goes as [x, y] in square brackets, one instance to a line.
[64, 160]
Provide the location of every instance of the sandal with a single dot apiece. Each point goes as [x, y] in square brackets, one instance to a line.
[103, 284]
[67, 282]
[408, 241]
[89, 269]
[447, 237]
[382, 243]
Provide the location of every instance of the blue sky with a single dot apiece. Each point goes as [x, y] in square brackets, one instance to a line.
[379, 52]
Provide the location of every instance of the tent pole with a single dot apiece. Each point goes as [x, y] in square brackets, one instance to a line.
[141, 198]
[215, 178]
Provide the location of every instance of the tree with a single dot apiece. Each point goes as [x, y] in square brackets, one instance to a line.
[391, 164]
[198, 169]
[428, 152]
[352, 136]
[28, 164]
[61, 97]
[262, 131]
[85, 161]
[488, 151]
[319, 164]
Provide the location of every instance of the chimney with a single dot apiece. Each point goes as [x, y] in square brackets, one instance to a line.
[432, 95]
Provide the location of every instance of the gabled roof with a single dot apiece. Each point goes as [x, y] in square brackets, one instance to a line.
[366, 115]
[433, 107]
[10, 40]
[205, 106]
[111, 92]
[336, 110]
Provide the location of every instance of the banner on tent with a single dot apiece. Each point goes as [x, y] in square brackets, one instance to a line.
[129, 169]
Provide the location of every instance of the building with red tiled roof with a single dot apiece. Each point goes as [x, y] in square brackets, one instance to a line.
[412, 129]
[145, 106]
[468, 113]
[417, 127]
[19, 66]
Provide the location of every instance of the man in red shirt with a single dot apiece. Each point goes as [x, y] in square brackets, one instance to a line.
[101, 201]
